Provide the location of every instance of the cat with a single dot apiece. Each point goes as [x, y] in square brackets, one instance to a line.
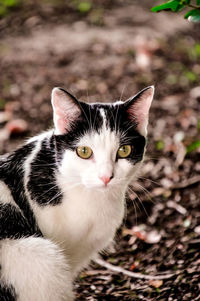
[62, 194]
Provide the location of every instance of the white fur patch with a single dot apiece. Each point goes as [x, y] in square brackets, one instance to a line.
[36, 268]
[103, 115]
[83, 224]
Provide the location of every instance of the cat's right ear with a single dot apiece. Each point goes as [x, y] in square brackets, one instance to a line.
[66, 110]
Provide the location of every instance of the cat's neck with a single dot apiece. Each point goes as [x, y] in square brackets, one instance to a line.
[83, 223]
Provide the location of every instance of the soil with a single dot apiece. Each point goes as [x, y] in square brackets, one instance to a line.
[109, 53]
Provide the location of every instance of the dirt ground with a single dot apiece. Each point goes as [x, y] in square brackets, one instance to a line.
[110, 53]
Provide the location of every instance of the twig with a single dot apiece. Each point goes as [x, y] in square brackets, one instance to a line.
[186, 183]
[193, 6]
[117, 269]
[177, 207]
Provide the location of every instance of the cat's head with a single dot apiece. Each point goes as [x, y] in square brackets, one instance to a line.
[100, 146]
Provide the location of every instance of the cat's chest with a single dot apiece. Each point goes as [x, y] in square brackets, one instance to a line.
[83, 223]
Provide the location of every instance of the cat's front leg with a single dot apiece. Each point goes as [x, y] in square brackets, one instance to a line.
[36, 269]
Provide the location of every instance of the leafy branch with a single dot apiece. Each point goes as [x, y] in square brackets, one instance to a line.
[178, 5]
[7, 5]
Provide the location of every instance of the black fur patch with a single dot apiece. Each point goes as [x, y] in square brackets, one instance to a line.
[7, 293]
[42, 181]
[119, 121]
[12, 223]
[12, 173]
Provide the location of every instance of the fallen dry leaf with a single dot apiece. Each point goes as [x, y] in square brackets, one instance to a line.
[156, 283]
[17, 126]
[5, 116]
[140, 232]
[134, 265]
[153, 237]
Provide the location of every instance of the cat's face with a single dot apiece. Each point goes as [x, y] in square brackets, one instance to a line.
[100, 146]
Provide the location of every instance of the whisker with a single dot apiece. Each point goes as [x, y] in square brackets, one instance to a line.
[85, 115]
[116, 119]
[140, 201]
[55, 196]
[131, 126]
[87, 95]
[90, 118]
[147, 193]
[149, 180]
[46, 192]
[122, 92]
[95, 119]
[135, 209]
[135, 204]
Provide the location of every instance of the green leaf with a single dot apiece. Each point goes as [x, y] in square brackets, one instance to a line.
[193, 15]
[193, 146]
[185, 2]
[180, 7]
[84, 6]
[191, 76]
[10, 3]
[160, 145]
[3, 11]
[6, 5]
[198, 2]
[2, 104]
[173, 5]
[197, 49]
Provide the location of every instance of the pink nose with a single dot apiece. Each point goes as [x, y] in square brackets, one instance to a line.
[105, 179]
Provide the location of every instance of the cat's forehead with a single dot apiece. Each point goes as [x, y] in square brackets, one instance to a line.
[105, 108]
[107, 122]
[101, 135]
[107, 115]
[104, 115]
[103, 138]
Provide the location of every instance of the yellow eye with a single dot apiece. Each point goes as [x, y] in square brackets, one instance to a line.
[124, 151]
[84, 152]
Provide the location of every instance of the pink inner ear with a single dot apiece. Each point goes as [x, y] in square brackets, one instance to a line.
[65, 110]
[61, 124]
[139, 110]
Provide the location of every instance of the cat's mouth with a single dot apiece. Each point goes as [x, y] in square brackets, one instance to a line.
[98, 186]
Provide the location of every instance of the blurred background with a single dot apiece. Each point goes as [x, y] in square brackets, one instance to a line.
[105, 50]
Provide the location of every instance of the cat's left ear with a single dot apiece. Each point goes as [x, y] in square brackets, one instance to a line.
[66, 110]
[138, 108]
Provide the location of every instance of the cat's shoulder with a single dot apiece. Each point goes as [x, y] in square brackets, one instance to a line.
[25, 149]
[40, 137]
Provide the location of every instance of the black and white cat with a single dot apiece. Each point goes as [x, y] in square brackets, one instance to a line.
[62, 194]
